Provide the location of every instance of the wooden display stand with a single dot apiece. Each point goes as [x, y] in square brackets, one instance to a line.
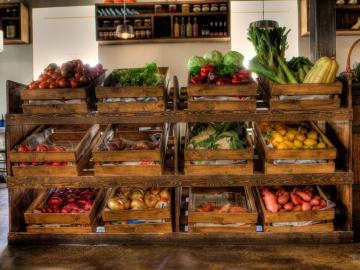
[24, 189]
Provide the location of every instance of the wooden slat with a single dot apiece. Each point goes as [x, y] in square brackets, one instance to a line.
[129, 91]
[43, 170]
[243, 169]
[244, 229]
[139, 228]
[271, 168]
[58, 230]
[55, 108]
[222, 218]
[223, 90]
[322, 227]
[121, 107]
[306, 89]
[128, 170]
[300, 105]
[49, 94]
[134, 155]
[146, 214]
[241, 105]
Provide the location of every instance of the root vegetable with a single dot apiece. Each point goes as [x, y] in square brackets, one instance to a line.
[297, 208]
[271, 202]
[314, 202]
[284, 198]
[316, 207]
[306, 207]
[237, 209]
[225, 209]
[165, 195]
[323, 203]
[137, 204]
[288, 206]
[294, 198]
[304, 196]
[151, 199]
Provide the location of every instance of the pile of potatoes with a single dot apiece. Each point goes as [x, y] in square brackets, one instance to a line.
[282, 136]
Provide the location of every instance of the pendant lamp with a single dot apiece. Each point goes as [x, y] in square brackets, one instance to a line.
[124, 31]
[265, 24]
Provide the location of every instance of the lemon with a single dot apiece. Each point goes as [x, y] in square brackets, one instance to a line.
[282, 131]
[312, 135]
[283, 146]
[300, 137]
[290, 135]
[289, 144]
[321, 145]
[275, 144]
[298, 144]
[278, 138]
[310, 142]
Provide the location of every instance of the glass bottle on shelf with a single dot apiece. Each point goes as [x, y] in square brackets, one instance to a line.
[211, 29]
[225, 30]
[176, 28]
[221, 29]
[189, 28]
[207, 30]
[11, 30]
[216, 29]
[195, 28]
[182, 28]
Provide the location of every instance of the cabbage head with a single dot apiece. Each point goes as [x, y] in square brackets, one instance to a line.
[195, 61]
[214, 58]
[234, 59]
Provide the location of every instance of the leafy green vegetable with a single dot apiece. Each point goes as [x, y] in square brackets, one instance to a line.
[227, 136]
[195, 61]
[270, 46]
[195, 71]
[233, 59]
[149, 76]
[226, 71]
[214, 58]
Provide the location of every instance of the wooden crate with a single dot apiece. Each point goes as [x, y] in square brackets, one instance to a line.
[85, 95]
[109, 216]
[81, 137]
[227, 90]
[279, 217]
[69, 229]
[110, 90]
[104, 158]
[273, 91]
[250, 218]
[327, 156]
[59, 218]
[218, 154]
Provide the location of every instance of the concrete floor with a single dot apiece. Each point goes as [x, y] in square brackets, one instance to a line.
[280, 257]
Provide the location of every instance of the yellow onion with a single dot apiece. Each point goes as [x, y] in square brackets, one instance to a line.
[137, 204]
[165, 195]
[151, 199]
[137, 194]
[115, 204]
[155, 190]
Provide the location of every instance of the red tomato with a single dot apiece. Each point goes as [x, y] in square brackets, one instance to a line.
[23, 148]
[41, 148]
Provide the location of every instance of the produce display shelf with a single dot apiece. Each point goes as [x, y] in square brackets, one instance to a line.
[185, 239]
[342, 114]
[158, 3]
[257, 179]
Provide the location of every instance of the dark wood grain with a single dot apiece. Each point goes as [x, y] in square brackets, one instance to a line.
[179, 116]
[185, 239]
[257, 179]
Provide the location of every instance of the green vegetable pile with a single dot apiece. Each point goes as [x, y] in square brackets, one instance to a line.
[146, 76]
[300, 66]
[212, 136]
[270, 46]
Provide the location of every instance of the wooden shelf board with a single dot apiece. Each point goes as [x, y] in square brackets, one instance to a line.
[179, 116]
[127, 16]
[14, 41]
[10, 18]
[164, 40]
[257, 179]
[347, 32]
[159, 3]
[182, 238]
[348, 7]
[165, 14]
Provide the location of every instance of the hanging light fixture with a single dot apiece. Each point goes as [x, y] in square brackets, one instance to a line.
[1, 40]
[268, 24]
[124, 31]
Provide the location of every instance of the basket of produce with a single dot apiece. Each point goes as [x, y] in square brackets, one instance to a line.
[295, 148]
[135, 210]
[295, 209]
[293, 85]
[218, 83]
[222, 210]
[66, 89]
[54, 150]
[131, 150]
[134, 90]
[218, 148]
[67, 210]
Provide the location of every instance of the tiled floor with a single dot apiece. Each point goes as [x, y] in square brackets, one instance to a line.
[280, 257]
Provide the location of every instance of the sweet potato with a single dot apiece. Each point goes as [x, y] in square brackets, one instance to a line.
[283, 198]
[225, 208]
[323, 203]
[288, 206]
[297, 208]
[306, 207]
[271, 201]
[304, 196]
[316, 207]
[294, 198]
[237, 209]
[314, 201]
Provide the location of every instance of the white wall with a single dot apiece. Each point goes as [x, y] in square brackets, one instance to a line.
[70, 34]
[244, 12]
